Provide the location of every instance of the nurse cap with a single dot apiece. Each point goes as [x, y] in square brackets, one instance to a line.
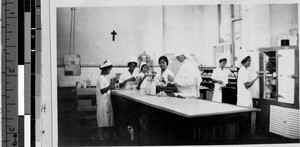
[132, 60]
[222, 58]
[142, 63]
[106, 63]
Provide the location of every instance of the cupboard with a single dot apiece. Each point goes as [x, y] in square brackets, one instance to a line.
[279, 85]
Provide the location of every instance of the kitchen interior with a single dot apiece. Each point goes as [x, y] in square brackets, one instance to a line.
[87, 36]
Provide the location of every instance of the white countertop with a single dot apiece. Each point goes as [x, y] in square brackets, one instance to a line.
[183, 107]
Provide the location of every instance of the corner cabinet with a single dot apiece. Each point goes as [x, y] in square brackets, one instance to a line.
[280, 84]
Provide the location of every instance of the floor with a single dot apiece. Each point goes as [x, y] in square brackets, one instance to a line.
[74, 131]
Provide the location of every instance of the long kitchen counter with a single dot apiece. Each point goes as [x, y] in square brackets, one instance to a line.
[183, 107]
[177, 121]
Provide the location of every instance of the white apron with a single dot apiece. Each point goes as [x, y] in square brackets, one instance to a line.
[219, 74]
[104, 108]
[244, 97]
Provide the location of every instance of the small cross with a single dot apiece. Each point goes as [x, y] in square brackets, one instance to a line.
[114, 34]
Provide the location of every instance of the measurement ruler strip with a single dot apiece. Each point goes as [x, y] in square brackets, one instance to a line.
[10, 126]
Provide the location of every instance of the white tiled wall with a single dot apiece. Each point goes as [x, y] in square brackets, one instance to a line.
[90, 73]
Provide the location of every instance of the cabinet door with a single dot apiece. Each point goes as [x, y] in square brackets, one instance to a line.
[276, 120]
[291, 123]
[286, 67]
[284, 121]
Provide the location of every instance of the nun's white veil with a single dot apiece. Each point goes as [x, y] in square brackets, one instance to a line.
[186, 54]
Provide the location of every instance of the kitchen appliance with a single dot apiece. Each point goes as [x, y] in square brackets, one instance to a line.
[287, 40]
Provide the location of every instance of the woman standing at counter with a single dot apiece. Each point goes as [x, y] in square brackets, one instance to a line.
[140, 80]
[188, 78]
[128, 77]
[244, 97]
[220, 78]
[104, 108]
[165, 71]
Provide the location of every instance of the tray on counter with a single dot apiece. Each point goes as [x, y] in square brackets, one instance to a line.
[166, 89]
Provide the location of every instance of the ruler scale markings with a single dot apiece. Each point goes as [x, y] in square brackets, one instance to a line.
[6, 118]
[9, 84]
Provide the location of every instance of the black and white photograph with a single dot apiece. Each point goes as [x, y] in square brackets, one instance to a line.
[167, 73]
[182, 74]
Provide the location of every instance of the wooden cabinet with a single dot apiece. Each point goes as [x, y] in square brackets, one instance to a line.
[279, 85]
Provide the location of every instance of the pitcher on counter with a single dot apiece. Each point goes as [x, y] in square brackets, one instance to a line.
[104, 108]
[188, 78]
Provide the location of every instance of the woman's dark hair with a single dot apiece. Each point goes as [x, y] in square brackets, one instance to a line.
[223, 59]
[128, 64]
[163, 58]
[144, 65]
[106, 68]
[245, 59]
[141, 69]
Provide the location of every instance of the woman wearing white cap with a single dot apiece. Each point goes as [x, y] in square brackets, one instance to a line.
[104, 108]
[220, 78]
[188, 78]
[140, 80]
[244, 97]
[128, 77]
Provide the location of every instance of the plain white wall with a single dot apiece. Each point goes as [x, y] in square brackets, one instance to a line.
[194, 28]
[138, 29]
[283, 17]
[157, 30]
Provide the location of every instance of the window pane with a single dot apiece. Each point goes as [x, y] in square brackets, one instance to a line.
[225, 25]
[236, 11]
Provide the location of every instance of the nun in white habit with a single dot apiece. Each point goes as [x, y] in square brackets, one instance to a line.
[188, 77]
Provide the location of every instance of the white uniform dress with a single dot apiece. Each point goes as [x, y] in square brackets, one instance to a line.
[126, 75]
[104, 108]
[244, 97]
[188, 79]
[144, 83]
[219, 74]
[165, 75]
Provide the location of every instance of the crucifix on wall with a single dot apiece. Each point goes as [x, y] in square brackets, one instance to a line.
[113, 33]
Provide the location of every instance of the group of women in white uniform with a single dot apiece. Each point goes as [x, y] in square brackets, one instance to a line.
[187, 81]
[244, 82]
